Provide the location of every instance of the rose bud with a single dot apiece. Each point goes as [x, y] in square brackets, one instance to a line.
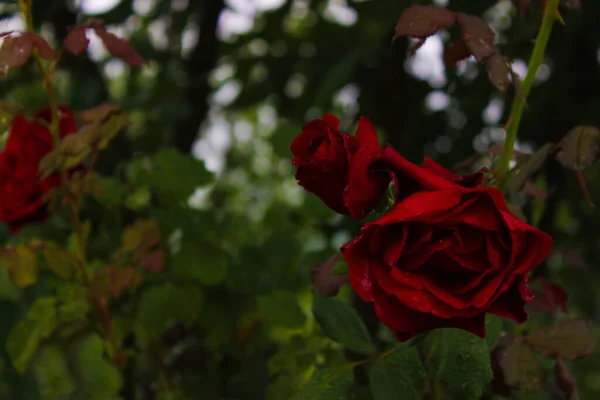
[23, 197]
[339, 168]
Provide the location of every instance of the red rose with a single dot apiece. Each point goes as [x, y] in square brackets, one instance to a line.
[448, 252]
[338, 167]
[22, 195]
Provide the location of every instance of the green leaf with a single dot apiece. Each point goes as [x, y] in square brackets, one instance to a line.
[341, 268]
[62, 262]
[21, 265]
[205, 264]
[399, 372]
[24, 338]
[462, 362]
[493, 329]
[525, 169]
[159, 306]
[341, 323]
[73, 303]
[109, 192]
[281, 308]
[139, 199]
[580, 148]
[327, 384]
[8, 290]
[115, 124]
[176, 175]
[99, 378]
[387, 382]
[52, 373]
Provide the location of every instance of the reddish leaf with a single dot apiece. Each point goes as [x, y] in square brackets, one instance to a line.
[580, 148]
[14, 52]
[565, 381]
[498, 71]
[153, 261]
[478, 36]
[100, 112]
[455, 52]
[43, 48]
[570, 340]
[76, 41]
[422, 21]
[520, 368]
[323, 279]
[550, 299]
[121, 279]
[119, 47]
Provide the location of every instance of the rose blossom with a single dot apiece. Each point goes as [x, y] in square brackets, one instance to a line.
[23, 196]
[448, 252]
[338, 167]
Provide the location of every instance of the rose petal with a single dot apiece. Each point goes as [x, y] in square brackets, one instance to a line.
[511, 303]
[496, 254]
[469, 239]
[534, 243]
[419, 235]
[357, 257]
[389, 241]
[409, 171]
[496, 195]
[422, 253]
[419, 205]
[19, 124]
[408, 323]
[479, 300]
[366, 186]
[322, 157]
[474, 261]
[412, 292]
[475, 210]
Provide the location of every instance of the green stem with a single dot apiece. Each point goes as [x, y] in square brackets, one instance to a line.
[536, 60]
[47, 77]
[25, 6]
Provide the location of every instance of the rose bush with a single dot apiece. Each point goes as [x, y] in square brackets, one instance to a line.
[24, 195]
[448, 252]
[338, 167]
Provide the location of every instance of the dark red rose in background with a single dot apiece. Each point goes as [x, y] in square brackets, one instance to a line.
[22, 195]
[338, 167]
[448, 252]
